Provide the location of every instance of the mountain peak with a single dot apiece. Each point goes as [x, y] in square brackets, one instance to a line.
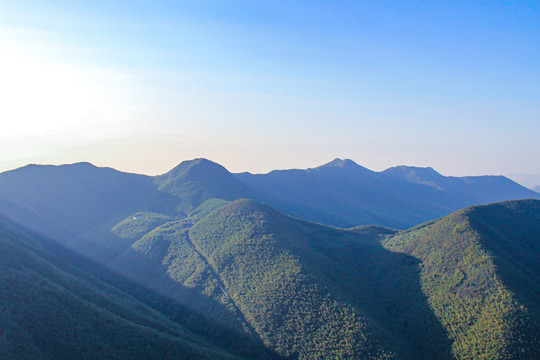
[83, 164]
[196, 162]
[200, 179]
[195, 169]
[341, 163]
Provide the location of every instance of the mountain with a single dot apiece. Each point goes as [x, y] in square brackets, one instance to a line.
[78, 204]
[67, 200]
[161, 257]
[461, 287]
[343, 193]
[479, 271]
[317, 292]
[174, 258]
[52, 309]
[291, 283]
[199, 180]
[537, 188]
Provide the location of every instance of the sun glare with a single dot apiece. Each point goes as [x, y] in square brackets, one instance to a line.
[46, 98]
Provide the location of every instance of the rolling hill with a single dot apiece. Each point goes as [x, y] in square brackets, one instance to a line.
[312, 291]
[323, 275]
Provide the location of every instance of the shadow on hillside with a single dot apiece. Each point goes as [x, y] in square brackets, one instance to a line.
[384, 285]
[511, 236]
[398, 301]
[219, 333]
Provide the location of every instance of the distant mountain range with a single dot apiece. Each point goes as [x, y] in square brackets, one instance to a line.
[340, 193]
[343, 193]
[201, 263]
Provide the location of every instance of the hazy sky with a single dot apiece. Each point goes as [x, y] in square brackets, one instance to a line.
[142, 85]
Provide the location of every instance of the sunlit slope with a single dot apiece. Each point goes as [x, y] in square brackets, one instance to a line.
[52, 310]
[479, 271]
[316, 291]
[164, 260]
[328, 276]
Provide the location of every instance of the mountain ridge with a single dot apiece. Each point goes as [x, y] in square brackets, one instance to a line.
[399, 197]
[340, 193]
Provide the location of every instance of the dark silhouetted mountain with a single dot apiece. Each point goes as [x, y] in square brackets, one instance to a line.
[76, 202]
[343, 193]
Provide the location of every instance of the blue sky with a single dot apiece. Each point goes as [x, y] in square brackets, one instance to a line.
[143, 85]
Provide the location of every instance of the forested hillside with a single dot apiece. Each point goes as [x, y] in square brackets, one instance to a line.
[178, 263]
[479, 271]
[51, 309]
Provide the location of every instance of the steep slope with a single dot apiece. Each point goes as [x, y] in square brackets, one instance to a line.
[344, 194]
[164, 260]
[537, 188]
[479, 271]
[304, 289]
[511, 232]
[318, 292]
[49, 309]
[199, 180]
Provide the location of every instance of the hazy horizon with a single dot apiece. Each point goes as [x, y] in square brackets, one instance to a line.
[141, 86]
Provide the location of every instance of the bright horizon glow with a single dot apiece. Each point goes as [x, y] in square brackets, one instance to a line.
[141, 86]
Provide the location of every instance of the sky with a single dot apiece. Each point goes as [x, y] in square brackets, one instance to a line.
[259, 85]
